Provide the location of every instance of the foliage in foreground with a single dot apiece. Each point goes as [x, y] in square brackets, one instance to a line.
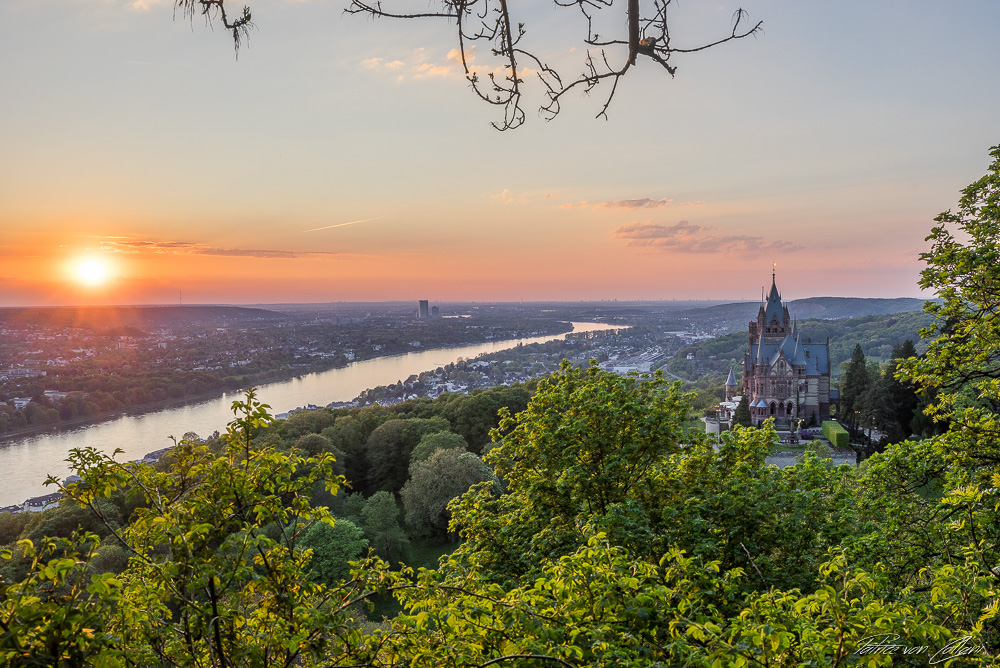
[762, 576]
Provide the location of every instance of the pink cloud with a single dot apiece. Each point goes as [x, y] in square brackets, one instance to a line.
[629, 204]
[622, 204]
[685, 237]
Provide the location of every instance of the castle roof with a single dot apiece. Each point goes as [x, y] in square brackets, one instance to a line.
[817, 359]
[773, 308]
[732, 378]
[814, 356]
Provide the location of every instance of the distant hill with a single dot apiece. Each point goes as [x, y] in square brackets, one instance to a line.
[734, 317]
[113, 317]
[832, 308]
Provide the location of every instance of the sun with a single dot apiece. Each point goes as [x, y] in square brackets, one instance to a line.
[91, 272]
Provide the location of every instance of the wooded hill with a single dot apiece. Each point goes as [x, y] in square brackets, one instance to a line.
[734, 317]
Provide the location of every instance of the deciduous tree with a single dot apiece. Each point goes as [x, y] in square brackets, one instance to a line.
[388, 449]
[587, 449]
[434, 483]
[431, 443]
[380, 520]
[205, 585]
[333, 548]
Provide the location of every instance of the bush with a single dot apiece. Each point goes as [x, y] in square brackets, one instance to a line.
[836, 434]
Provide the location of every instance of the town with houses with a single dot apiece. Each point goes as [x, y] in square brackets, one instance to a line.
[58, 367]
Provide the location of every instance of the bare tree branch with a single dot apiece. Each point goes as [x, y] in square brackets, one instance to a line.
[490, 22]
[216, 9]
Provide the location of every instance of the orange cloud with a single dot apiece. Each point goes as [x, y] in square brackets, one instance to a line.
[419, 66]
[148, 4]
[505, 196]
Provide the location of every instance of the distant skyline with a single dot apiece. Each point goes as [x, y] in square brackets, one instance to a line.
[340, 159]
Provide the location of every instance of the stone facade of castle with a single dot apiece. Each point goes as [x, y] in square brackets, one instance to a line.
[785, 375]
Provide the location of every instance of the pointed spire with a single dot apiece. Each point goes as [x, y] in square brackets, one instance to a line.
[773, 295]
[732, 378]
[773, 310]
[798, 357]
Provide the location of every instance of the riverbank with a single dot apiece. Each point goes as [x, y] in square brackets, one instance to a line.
[139, 409]
[13, 436]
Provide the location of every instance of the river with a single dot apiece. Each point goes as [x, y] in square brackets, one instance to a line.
[25, 463]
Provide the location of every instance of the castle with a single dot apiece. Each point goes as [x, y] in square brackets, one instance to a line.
[784, 376]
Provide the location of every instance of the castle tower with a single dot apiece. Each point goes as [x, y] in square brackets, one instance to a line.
[773, 321]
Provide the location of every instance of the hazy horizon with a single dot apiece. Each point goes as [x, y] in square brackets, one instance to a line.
[448, 302]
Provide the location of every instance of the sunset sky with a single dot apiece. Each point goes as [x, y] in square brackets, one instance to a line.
[344, 159]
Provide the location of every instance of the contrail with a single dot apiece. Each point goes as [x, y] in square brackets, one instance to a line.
[353, 222]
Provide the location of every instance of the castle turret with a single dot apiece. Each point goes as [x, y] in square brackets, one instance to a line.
[731, 386]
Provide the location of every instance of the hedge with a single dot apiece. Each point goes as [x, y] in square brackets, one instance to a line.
[836, 434]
